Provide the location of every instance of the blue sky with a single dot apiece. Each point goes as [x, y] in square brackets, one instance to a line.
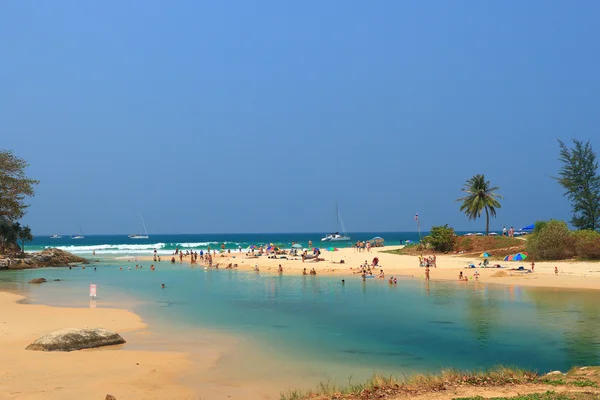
[255, 116]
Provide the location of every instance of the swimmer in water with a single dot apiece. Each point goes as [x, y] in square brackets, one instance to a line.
[162, 286]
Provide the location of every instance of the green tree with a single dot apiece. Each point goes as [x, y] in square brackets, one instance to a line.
[440, 238]
[579, 177]
[15, 186]
[551, 240]
[480, 196]
[8, 233]
[24, 235]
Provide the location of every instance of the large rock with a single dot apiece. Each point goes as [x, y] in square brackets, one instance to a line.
[46, 258]
[38, 280]
[76, 339]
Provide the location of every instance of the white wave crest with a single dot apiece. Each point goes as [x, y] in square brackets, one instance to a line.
[108, 248]
[198, 244]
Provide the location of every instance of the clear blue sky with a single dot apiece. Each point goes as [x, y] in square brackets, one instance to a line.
[255, 116]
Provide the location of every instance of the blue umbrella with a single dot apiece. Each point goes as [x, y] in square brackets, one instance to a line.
[296, 246]
[519, 257]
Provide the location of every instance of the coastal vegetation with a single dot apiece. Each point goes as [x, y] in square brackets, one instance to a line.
[553, 240]
[579, 177]
[578, 381]
[15, 187]
[498, 246]
[440, 238]
[480, 196]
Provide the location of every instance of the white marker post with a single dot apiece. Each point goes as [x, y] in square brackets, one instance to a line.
[93, 291]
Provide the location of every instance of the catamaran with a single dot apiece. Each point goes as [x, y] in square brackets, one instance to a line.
[337, 236]
[140, 235]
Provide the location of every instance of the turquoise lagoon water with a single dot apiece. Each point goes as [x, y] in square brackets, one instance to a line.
[352, 329]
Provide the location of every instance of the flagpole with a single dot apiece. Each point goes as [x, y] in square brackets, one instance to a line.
[418, 226]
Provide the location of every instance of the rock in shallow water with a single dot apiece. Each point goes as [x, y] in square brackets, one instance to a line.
[38, 280]
[76, 339]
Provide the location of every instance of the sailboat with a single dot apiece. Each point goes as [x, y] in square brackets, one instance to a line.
[337, 236]
[80, 236]
[140, 235]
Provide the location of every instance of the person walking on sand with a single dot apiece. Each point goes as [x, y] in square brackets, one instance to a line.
[555, 270]
[532, 265]
[427, 273]
[476, 275]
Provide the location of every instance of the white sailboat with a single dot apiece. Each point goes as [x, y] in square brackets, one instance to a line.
[80, 236]
[340, 235]
[140, 235]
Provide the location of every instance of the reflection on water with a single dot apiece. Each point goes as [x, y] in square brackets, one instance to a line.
[352, 329]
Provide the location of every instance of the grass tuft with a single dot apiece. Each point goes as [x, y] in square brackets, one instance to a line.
[382, 386]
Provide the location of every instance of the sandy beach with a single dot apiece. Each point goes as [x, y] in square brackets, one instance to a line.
[571, 274]
[86, 374]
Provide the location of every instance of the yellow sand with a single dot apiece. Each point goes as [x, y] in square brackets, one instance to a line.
[571, 274]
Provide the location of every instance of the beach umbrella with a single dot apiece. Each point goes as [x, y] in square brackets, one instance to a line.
[509, 258]
[331, 250]
[486, 255]
[519, 257]
[296, 246]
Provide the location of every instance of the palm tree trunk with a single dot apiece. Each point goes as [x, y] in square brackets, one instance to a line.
[487, 222]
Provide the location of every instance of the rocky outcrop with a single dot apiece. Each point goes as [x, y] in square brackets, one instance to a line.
[110, 397]
[76, 339]
[46, 258]
[38, 280]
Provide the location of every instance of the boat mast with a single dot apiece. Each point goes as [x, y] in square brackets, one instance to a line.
[144, 224]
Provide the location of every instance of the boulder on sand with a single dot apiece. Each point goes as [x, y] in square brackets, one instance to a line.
[38, 280]
[76, 339]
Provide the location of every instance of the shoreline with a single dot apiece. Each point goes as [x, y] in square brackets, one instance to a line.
[571, 275]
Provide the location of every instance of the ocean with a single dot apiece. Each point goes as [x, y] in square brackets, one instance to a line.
[166, 244]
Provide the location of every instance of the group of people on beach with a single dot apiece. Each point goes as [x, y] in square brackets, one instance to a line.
[428, 261]
[362, 246]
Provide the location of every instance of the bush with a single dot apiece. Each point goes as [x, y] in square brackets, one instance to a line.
[551, 240]
[587, 244]
[441, 238]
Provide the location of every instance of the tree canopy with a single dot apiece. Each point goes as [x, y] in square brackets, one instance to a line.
[579, 177]
[15, 186]
[480, 196]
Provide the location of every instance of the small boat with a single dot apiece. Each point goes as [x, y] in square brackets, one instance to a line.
[55, 237]
[140, 235]
[337, 236]
[80, 236]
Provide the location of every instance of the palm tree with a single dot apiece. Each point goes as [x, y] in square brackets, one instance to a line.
[480, 196]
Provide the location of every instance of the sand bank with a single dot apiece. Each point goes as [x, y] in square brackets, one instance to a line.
[160, 362]
[86, 374]
[571, 275]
